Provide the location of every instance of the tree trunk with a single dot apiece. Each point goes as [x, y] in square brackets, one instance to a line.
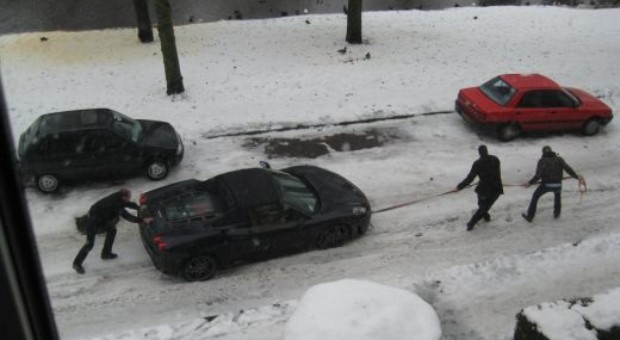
[354, 22]
[145, 30]
[174, 79]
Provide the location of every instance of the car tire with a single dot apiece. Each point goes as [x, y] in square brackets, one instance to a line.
[199, 268]
[508, 132]
[157, 169]
[333, 236]
[591, 127]
[48, 183]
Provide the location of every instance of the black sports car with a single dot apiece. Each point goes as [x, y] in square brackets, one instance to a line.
[95, 144]
[247, 215]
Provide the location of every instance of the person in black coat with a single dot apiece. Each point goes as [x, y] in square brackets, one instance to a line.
[549, 171]
[105, 214]
[489, 188]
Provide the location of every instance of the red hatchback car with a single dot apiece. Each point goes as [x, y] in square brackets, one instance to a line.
[514, 103]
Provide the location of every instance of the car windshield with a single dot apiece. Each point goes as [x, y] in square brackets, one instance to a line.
[126, 127]
[196, 204]
[498, 90]
[295, 193]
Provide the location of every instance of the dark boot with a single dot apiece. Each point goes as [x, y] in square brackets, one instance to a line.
[470, 226]
[106, 252]
[78, 268]
[81, 256]
[527, 218]
[109, 256]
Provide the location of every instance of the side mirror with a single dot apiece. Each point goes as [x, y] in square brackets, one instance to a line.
[265, 164]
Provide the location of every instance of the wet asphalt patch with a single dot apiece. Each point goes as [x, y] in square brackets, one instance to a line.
[313, 147]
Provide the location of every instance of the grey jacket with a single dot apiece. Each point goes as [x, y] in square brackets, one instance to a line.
[550, 169]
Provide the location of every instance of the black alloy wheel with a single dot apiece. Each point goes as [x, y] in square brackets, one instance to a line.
[333, 236]
[48, 183]
[157, 169]
[199, 268]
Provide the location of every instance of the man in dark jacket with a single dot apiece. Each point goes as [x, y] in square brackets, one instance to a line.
[549, 171]
[487, 169]
[105, 214]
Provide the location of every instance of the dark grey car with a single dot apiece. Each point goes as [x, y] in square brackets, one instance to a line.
[95, 144]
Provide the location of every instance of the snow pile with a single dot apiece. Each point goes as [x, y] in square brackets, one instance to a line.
[582, 319]
[362, 310]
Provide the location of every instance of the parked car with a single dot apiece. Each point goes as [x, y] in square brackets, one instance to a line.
[248, 215]
[511, 104]
[95, 144]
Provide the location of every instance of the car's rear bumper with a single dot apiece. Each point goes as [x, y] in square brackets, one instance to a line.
[166, 262]
[485, 126]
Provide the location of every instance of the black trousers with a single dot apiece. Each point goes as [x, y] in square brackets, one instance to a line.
[541, 190]
[91, 232]
[485, 202]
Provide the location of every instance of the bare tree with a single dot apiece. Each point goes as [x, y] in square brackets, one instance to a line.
[145, 30]
[354, 22]
[174, 80]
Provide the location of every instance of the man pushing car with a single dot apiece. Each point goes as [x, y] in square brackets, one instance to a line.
[104, 215]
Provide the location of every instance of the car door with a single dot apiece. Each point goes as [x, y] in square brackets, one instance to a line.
[115, 155]
[270, 232]
[63, 154]
[530, 113]
[278, 231]
[545, 110]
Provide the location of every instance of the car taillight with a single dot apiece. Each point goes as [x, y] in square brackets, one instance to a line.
[159, 242]
[142, 199]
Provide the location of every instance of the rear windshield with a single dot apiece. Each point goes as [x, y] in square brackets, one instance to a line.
[196, 204]
[498, 90]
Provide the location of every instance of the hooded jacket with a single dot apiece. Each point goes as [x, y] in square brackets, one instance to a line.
[550, 169]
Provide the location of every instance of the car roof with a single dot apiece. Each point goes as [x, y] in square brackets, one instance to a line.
[253, 187]
[75, 120]
[529, 81]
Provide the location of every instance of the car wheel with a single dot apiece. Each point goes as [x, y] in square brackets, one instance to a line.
[157, 169]
[48, 183]
[591, 127]
[199, 268]
[332, 237]
[508, 132]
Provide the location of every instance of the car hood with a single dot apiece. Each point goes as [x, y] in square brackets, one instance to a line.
[589, 101]
[158, 134]
[334, 191]
[475, 98]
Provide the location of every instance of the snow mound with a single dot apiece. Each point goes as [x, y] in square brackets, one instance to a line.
[362, 310]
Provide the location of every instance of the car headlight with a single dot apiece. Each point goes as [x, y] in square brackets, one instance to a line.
[359, 210]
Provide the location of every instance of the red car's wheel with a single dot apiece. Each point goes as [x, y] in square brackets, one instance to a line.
[591, 127]
[508, 132]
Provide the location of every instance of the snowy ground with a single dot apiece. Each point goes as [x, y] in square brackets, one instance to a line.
[242, 75]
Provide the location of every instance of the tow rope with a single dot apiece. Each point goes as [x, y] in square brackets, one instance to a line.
[583, 188]
[413, 202]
